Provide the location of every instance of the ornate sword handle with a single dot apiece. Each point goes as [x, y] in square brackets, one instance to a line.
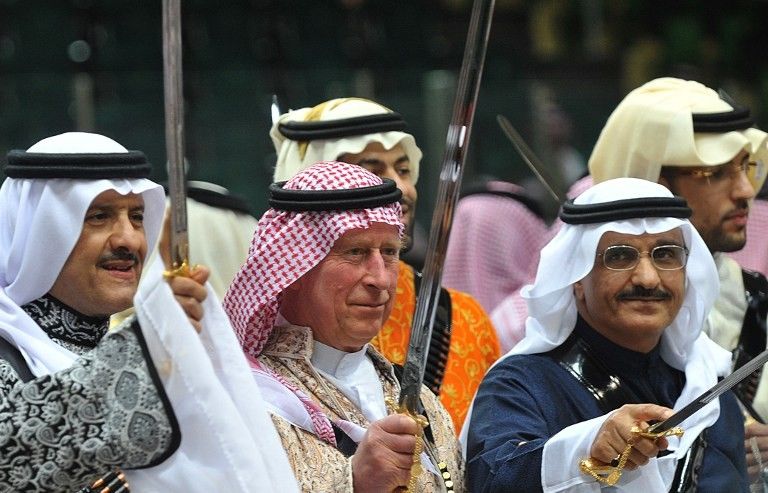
[611, 473]
[182, 270]
[416, 468]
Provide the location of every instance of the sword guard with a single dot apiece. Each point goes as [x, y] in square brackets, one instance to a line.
[611, 473]
[182, 270]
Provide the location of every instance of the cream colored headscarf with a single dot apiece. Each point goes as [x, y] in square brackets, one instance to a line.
[294, 156]
[652, 127]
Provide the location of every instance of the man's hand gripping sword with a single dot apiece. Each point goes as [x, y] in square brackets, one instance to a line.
[611, 473]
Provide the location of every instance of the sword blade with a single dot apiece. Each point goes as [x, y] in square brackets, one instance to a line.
[713, 393]
[275, 109]
[530, 158]
[174, 130]
[457, 142]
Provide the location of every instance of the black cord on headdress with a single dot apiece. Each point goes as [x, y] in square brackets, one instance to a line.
[88, 166]
[624, 209]
[342, 127]
[738, 118]
[333, 200]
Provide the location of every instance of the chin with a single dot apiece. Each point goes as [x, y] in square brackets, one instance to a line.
[732, 244]
[118, 304]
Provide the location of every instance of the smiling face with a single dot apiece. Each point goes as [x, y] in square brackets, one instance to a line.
[348, 296]
[101, 275]
[395, 165]
[632, 307]
[720, 201]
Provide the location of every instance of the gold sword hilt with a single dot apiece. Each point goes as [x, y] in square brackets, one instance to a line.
[183, 270]
[611, 473]
[416, 468]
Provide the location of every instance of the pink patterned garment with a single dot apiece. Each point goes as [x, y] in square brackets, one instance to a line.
[286, 245]
[509, 315]
[320, 421]
[494, 246]
[754, 255]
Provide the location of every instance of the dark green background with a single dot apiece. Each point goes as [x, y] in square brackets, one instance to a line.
[405, 54]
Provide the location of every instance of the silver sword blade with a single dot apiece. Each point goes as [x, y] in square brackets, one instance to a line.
[457, 143]
[530, 158]
[174, 130]
[708, 396]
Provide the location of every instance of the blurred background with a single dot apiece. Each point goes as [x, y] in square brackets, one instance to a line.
[555, 68]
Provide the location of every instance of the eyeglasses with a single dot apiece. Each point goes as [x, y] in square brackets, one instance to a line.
[663, 257]
[720, 173]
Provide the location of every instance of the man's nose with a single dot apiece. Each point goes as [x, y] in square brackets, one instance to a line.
[645, 273]
[393, 175]
[377, 273]
[742, 188]
[126, 235]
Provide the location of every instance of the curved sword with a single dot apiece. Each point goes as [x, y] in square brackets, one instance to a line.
[457, 142]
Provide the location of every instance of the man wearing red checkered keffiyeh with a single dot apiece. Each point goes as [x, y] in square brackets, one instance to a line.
[317, 286]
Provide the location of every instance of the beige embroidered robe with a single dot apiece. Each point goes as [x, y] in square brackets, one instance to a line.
[320, 467]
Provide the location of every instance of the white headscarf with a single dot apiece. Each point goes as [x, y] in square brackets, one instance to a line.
[294, 156]
[570, 256]
[652, 127]
[40, 223]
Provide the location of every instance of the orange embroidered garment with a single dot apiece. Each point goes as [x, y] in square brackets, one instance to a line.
[474, 345]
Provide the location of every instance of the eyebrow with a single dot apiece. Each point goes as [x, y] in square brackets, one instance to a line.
[110, 206]
[659, 242]
[369, 161]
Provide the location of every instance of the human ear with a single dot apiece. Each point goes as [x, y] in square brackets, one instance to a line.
[578, 291]
[663, 180]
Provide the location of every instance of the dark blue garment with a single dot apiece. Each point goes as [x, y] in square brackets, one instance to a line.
[530, 398]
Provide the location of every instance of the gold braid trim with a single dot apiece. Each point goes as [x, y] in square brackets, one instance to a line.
[611, 473]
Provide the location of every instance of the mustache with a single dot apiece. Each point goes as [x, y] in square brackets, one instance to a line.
[120, 254]
[639, 292]
[742, 207]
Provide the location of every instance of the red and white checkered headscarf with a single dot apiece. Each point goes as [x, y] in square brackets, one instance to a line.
[287, 245]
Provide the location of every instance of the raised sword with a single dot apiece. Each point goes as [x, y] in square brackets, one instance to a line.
[457, 142]
[713, 393]
[530, 158]
[174, 136]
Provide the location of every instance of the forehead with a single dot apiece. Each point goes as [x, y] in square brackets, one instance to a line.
[112, 198]
[375, 234]
[671, 237]
[738, 158]
[377, 148]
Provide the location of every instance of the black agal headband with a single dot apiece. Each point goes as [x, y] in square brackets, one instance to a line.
[618, 210]
[343, 127]
[87, 166]
[738, 118]
[333, 200]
